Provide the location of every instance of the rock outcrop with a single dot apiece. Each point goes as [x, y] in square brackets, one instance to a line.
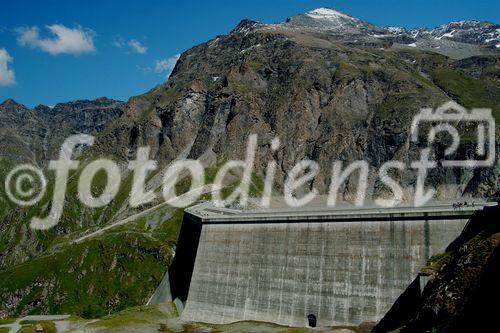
[463, 290]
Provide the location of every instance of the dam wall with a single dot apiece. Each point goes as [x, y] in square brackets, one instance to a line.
[343, 270]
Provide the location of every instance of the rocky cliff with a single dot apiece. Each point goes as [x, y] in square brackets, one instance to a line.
[322, 83]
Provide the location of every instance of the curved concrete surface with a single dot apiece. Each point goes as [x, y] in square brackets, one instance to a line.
[344, 266]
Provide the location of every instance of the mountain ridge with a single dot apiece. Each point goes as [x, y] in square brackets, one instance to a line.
[47, 127]
[444, 39]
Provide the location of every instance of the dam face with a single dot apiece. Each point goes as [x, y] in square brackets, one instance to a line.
[343, 268]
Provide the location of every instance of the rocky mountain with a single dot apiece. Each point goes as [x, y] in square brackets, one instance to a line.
[35, 135]
[458, 40]
[332, 21]
[469, 32]
[330, 86]
[323, 84]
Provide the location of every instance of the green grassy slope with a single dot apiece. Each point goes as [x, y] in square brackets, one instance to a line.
[469, 91]
[90, 279]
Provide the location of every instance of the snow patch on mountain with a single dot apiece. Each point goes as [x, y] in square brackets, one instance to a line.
[328, 14]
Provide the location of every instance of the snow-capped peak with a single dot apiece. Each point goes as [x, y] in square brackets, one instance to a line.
[327, 14]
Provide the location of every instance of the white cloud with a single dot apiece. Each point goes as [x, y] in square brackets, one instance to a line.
[64, 40]
[166, 65]
[7, 77]
[134, 45]
[118, 42]
[137, 46]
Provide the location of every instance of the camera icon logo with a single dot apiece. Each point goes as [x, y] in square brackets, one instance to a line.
[450, 117]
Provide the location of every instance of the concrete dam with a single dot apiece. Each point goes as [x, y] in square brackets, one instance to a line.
[343, 266]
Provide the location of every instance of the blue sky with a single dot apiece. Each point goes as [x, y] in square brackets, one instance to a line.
[124, 48]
